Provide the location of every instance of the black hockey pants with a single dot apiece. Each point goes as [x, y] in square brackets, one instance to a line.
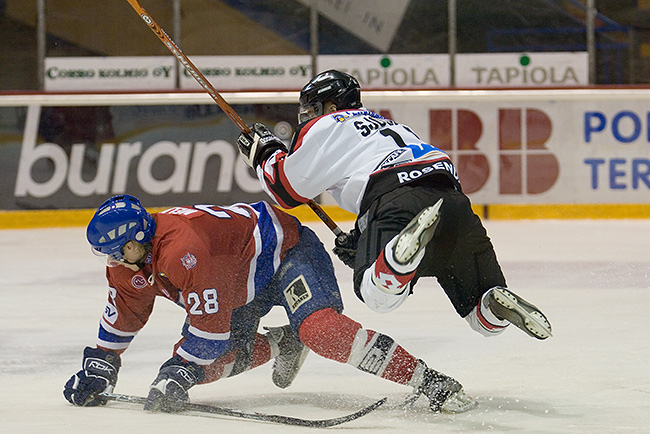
[460, 255]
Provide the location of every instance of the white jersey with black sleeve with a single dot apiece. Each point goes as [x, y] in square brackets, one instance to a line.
[342, 153]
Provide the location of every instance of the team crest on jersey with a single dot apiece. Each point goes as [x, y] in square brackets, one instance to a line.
[392, 159]
[297, 293]
[138, 281]
[188, 261]
[341, 117]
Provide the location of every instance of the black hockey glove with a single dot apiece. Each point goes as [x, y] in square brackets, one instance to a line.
[168, 392]
[254, 150]
[346, 247]
[99, 374]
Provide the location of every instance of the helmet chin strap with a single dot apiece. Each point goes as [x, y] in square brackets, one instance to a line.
[140, 263]
[134, 267]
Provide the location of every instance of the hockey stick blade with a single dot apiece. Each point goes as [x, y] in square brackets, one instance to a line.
[263, 417]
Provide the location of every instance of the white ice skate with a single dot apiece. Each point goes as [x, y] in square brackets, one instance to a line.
[416, 235]
[505, 304]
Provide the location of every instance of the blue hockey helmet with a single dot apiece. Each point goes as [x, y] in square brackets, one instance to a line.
[117, 221]
[336, 86]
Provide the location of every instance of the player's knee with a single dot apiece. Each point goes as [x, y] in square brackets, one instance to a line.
[377, 299]
[329, 334]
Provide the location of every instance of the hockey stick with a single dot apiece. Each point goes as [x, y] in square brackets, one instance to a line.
[284, 420]
[207, 86]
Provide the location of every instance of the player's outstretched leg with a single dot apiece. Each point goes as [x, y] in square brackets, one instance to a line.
[291, 355]
[339, 338]
[506, 305]
[444, 393]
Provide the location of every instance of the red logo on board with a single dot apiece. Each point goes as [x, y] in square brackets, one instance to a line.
[525, 165]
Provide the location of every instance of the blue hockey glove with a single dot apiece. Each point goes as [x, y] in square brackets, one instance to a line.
[168, 392]
[346, 247]
[99, 374]
[256, 149]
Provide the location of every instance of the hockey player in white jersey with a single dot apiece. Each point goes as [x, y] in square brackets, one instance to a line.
[413, 219]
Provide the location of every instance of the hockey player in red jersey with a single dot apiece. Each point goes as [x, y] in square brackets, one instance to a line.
[227, 267]
[413, 219]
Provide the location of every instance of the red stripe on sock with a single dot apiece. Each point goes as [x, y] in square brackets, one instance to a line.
[261, 355]
[329, 334]
[387, 277]
[261, 352]
[484, 322]
[214, 370]
[401, 366]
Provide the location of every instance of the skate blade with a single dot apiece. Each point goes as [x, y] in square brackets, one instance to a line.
[534, 322]
[459, 402]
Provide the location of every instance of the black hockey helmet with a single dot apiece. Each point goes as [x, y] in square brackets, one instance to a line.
[336, 86]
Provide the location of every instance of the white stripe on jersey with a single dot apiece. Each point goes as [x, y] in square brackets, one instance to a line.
[115, 331]
[279, 234]
[112, 345]
[250, 284]
[190, 358]
[207, 335]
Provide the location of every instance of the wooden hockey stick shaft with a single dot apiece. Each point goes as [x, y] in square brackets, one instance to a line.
[207, 86]
[191, 68]
[284, 420]
[320, 212]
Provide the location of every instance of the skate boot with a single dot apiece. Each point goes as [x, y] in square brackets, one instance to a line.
[506, 305]
[291, 357]
[412, 240]
[444, 393]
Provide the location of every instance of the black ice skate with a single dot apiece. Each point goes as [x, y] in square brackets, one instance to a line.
[291, 357]
[417, 234]
[444, 393]
[507, 305]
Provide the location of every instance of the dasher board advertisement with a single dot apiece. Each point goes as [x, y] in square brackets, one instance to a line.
[520, 147]
[403, 71]
[292, 72]
[109, 73]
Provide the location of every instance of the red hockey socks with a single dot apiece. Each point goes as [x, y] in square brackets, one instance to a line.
[329, 334]
[337, 337]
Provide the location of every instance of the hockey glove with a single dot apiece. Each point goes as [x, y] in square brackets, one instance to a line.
[99, 374]
[257, 149]
[346, 247]
[168, 392]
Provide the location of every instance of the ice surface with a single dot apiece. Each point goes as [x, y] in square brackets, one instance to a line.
[591, 278]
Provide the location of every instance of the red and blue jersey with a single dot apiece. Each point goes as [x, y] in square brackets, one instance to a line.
[207, 259]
